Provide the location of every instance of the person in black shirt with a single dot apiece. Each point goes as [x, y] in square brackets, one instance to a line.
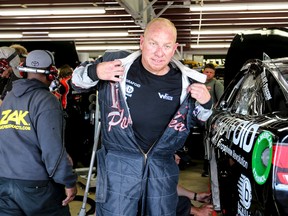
[148, 103]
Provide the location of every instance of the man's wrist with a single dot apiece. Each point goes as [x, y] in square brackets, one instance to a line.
[92, 72]
[195, 197]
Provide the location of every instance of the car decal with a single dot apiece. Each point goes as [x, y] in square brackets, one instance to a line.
[242, 132]
[262, 157]
[265, 88]
[245, 195]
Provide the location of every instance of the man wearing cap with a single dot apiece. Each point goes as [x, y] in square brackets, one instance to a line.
[9, 60]
[22, 52]
[35, 168]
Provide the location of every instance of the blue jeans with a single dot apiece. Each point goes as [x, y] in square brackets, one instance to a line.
[31, 198]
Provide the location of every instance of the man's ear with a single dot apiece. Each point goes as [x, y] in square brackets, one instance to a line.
[141, 41]
[175, 47]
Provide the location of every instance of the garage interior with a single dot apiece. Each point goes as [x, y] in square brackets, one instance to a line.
[205, 27]
[80, 30]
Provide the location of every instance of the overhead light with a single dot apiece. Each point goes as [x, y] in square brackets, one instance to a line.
[12, 35]
[210, 46]
[106, 47]
[87, 34]
[216, 32]
[243, 6]
[52, 11]
[265, 31]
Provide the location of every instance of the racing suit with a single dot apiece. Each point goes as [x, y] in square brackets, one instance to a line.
[130, 181]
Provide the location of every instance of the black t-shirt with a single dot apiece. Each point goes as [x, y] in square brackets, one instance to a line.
[153, 100]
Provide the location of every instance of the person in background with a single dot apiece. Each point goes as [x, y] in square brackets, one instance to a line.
[147, 105]
[70, 101]
[36, 175]
[216, 90]
[214, 86]
[185, 207]
[9, 60]
[21, 51]
[65, 89]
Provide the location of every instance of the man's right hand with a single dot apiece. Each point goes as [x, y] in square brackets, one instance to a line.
[111, 71]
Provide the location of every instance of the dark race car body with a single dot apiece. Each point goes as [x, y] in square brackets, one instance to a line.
[247, 142]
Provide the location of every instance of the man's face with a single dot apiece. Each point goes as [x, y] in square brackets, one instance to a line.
[158, 47]
[210, 73]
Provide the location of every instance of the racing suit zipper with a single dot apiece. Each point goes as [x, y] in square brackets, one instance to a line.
[146, 154]
[118, 85]
[145, 158]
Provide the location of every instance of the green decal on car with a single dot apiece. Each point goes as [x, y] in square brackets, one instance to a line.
[262, 157]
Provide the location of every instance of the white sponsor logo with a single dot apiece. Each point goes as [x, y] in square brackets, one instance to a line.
[129, 90]
[245, 195]
[241, 132]
[133, 83]
[265, 88]
[165, 96]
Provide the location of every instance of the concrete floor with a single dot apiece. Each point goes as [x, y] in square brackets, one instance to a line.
[190, 178]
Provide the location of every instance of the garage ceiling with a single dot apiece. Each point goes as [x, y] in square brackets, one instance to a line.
[214, 29]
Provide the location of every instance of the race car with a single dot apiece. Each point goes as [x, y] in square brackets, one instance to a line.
[246, 141]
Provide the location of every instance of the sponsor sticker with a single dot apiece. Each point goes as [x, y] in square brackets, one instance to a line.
[245, 195]
[262, 157]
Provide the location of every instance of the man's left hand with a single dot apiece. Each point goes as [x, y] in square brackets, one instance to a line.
[199, 92]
